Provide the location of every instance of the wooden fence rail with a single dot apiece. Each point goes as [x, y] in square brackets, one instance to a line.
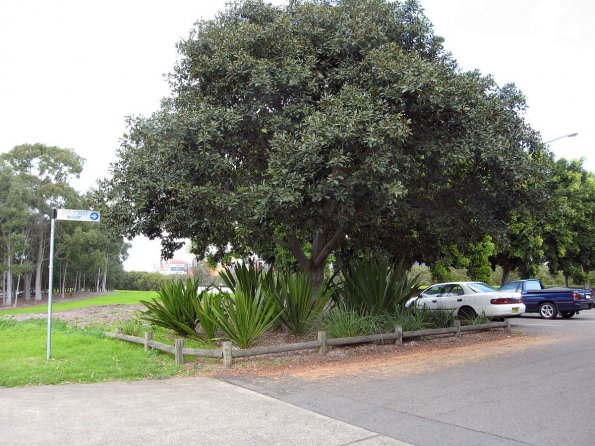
[227, 353]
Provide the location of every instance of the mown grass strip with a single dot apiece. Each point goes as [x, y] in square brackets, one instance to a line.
[118, 297]
[78, 356]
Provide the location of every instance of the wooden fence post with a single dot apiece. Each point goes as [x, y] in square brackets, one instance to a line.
[178, 346]
[322, 339]
[227, 357]
[457, 325]
[399, 332]
[148, 338]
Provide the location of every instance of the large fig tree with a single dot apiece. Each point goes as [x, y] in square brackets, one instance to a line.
[327, 124]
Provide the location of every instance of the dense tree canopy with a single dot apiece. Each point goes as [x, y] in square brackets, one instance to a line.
[569, 230]
[338, 125]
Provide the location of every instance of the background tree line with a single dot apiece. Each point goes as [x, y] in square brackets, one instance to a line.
[34, 178]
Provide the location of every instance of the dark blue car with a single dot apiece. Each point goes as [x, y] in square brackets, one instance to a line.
[549, 302]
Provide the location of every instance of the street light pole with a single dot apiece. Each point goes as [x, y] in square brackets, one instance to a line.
[570, 135]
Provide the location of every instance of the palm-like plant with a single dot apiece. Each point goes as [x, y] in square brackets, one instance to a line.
[244, 318]
[174, 308]
[181, 307]
[294, 296]
[373, 286]
[245, 275]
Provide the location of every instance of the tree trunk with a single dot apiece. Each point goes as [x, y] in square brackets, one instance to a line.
[8, 293]
[316, 275]
[505, 274]
[39, 270]
[16, 294]
[566, 276]
[64, 280]
[321, 249]
[27, 286]
[104, 282]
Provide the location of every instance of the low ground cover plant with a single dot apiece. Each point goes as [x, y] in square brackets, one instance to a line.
[414, 319]
[341, 322]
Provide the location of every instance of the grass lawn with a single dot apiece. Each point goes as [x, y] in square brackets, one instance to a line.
[118, 297]
[78, 356]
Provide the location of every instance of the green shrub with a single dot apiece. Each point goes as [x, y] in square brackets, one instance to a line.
[413, 318]
[246, 275]
[439, 318]
[204, 312]
[133, 328]
[341, 322]
[373, 287]
[244, 318]
[297, 304]
[176, 307]
[141, 280]
[480, 319]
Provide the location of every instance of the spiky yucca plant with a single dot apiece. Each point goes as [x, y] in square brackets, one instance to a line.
[242, 317]
[300, 307]
[373, 286]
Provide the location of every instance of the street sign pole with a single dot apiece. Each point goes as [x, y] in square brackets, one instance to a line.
[51, 282]
[62, 214]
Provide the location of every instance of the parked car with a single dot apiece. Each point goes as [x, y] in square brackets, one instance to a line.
[468, 299]
[549, 302]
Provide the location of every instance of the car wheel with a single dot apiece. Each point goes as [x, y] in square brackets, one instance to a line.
[466, 313]
[567, 314]
[548, 310]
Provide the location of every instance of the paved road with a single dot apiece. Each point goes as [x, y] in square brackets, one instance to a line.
[184, 411]
[540, 394]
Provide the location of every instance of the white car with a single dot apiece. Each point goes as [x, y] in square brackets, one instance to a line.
[469, 299]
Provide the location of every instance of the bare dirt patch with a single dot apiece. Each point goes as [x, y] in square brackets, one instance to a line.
[89, 316]
[416, 356]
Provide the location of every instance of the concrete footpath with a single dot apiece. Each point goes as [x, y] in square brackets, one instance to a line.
[181, 411]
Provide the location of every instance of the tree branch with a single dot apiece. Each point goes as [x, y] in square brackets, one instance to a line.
[294, 246]
[326, 249]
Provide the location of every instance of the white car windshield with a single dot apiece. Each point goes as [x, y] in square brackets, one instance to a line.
[480, 287]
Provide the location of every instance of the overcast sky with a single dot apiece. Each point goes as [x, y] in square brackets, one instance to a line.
[72, 70]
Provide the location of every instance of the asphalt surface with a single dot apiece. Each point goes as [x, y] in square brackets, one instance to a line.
[184, 411]
[543, 394]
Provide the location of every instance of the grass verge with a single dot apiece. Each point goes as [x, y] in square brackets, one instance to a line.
[119, 297]
[78, 356]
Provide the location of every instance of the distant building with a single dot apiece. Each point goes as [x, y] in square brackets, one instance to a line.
[175, 267]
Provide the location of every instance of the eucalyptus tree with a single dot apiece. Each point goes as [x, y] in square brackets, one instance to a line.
[15, 202]
[89, 255]
[44, 173]
[338, 126]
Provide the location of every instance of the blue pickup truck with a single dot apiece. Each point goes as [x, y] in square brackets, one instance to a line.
[549, 302]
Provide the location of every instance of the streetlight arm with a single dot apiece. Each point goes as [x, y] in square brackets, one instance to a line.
[570, 135]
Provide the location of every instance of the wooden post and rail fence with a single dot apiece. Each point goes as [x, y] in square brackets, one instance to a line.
[228, 354]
